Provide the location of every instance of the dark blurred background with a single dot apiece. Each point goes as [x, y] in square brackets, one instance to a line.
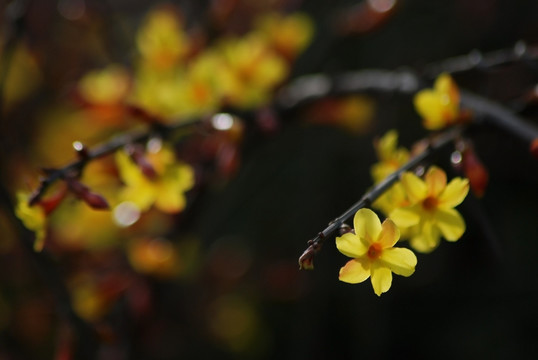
[476, 298]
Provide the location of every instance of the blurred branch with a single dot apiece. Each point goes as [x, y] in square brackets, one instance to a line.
[434, 145]
[116, 143]
[492, 113]
[475, 60]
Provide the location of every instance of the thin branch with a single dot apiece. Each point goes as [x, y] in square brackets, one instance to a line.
[500, 117]
[105, 149]
[475, 60]
[443, 139]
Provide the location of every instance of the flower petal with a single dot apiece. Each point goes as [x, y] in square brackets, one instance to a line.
[435, 180]
[414, 187]
[400, 261]
[446, 85]
[381, 279]
[367, 225]
[454, 193]
[427, 239]
[355, 271]
[451, 224]
[390, 234]
[429, 105]
[406, 216]
[350, 245]
[130, 173]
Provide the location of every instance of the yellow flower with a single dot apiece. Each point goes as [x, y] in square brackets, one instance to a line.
[287, 34]
[107, 86]
[165, 191]
[161, 40]
[371, 248]
[156, 257]
[391, 157]
[255, 68]
[432, 208]
[395, 197]
[440, 106]
[33, 218]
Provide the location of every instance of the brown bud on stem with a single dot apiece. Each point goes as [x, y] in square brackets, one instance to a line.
[84, 193]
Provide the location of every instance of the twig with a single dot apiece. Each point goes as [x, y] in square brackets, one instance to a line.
[475, 60]
[443, 139]
[105, 149]
[498, 116]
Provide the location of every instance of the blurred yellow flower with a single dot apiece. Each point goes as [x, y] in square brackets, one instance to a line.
[166, 191]
[371, 247]
[440, 106]
[106, 86]
[156, 257]
[256, 70]
[391, 157]
[289, 34]
[33, 218]
[161, 39]
[431, 208]
[22, 74]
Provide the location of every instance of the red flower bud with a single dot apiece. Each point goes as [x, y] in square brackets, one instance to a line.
[534, 148]
[475, 171]
[138, 156]
[84, 193]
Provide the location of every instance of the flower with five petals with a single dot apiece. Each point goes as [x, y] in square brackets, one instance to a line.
[371, 247]
[431, 208]
[440, 106]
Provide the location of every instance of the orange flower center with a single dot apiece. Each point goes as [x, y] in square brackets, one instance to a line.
[374, 251]
[430, 203]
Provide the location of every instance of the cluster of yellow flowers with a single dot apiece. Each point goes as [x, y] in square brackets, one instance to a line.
[175, 78]
[420, 210]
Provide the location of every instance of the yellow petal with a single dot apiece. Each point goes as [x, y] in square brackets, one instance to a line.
[451, 224]
[130, 174]
[355, 271]
[430, 105]
[445, 84]
[415, 188]
[406, 216]
[399, 260]
[390, 234]
[367, 225]
[142, 195]
[381, 279]
[435, 180]
[350, 245]
[386, 146]
[39, 241]
[427, 239]
[454, 193]
[169, 199]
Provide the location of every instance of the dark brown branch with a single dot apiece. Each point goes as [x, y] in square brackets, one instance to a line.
[437, 143]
